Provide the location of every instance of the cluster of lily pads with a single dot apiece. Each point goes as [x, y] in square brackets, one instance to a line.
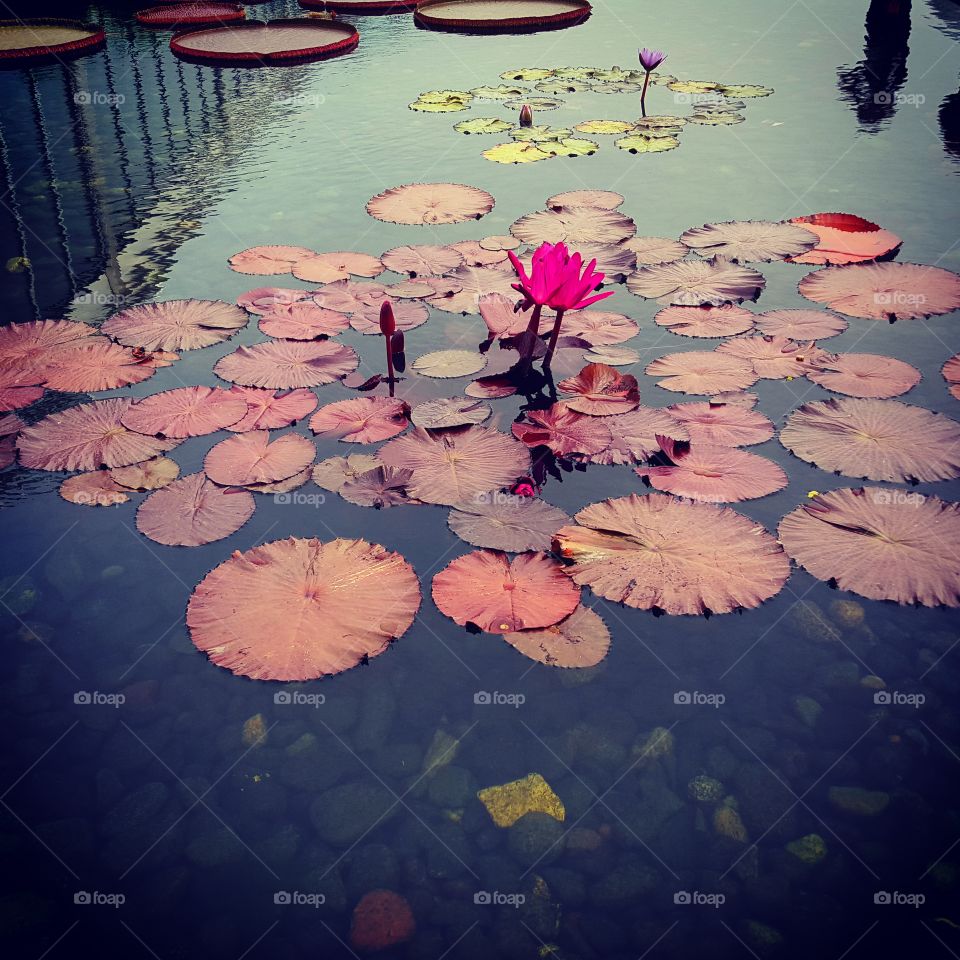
[713, 104]
[676, 549]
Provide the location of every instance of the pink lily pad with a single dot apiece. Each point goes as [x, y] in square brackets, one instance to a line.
[724, 321]
[250, 458]
[283, 364]
[727, 424]
[185, 412]
[702, 371]
[564, 431]
[271, 410]
[864, 375]
[268, 260]
[176, 324]
[361, 419]
[302, 320]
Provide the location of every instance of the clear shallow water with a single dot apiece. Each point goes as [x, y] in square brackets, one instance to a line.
[161, 801]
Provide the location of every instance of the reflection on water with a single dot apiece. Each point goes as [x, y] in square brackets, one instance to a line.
[777, 784]
[872, 85]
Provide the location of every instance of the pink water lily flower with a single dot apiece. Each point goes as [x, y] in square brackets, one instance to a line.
[555, 279]
[559, 281]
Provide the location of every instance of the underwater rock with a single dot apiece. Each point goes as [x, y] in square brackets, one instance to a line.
[808, 710]
[136, 809]
[452, 787]
[376, 718]
[587, 743]
[217, 847]
[442, 750]
[255, 731]
[727, 823]
[627, 883]
[281, 846]
[705, 789]
[448, 852]
[373, 866]
[568, 886]
[762, 937]
[535, 838]
[538, 911]
[810, 622]
[35, 631]
[809, 849]
[397, 760]
[344, 814]
[762, 799]
[858, 801]
[112, 572]
[654, 746]
[873, 682]
[380, 920]
[19, 595]
[847, 613]
[307, 766]
[508, 802]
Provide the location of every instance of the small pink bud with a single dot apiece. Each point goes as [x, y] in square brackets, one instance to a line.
[526, 116]
[387, 322]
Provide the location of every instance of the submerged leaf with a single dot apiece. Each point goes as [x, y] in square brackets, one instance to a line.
[578, 641]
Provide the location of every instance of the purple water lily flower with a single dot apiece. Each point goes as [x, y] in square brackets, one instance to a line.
[651, 59]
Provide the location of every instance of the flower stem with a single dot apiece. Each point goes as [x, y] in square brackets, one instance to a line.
[554, 336]
[643, 95]
[531, 332]
[390, 377]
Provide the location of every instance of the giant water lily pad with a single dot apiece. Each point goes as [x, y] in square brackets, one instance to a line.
[713, 473]
[750, 240]
[149, 475]
[884, 291]
[800, 324]
[564, 431]
[192, 511]
[27, 345]
[361, 420]
[430, 203]
[379, 488]
[422, 260]
[874, 439]
[287, 363]
[635, 435]
[185, 412]
[773, 358]
[882, 543]
[448, 364]
[573, 225]
[706, 321]
[94, 489]
[657, 553]
[253, 458]
[473, 284]
[271, 410]
[268, 260]
[600, 391]
[603, 199]
[176, 324]
[303, 320]
[864, 375]
[502, 594]
[506, 522]
[576, 642]
[727, 424]
[87, 437]
[446, 412]
[654, 250]
[333, 473]
[694, 283]
[94, 364]
[951, 373]
[454, 466]
[329, 267]
[702, 371]
[845, 238]
[598, 327]
[300, 609]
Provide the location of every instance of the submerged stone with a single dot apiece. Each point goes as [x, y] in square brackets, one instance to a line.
[856, 800]
[727, 823]
[344, 814]
[381, 919]
[255, 731]
[508, 802]
[808, 710]
[810, 849]
[536, 838]
[847, 613]
[705, 789]
[810, 622]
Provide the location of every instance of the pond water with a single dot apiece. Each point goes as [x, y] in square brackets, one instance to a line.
[130, 177]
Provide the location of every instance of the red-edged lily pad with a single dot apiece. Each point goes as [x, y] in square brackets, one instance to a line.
[601, 391]
[564, 431]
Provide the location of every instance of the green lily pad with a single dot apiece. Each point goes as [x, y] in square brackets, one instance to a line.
[603, 127]
[662, 121]
[516, 152]
[554, 87]
[615, 74]
[662, 79]
[430, 106]
[638, 143]
[611, 87]
[534, 103]
[482, 125]
[570, 147]
[440, 96]
[503, 92]
[574, 73]
[745, 90]
[718, 118]
[527, 73]
[538, 134]
[694, 86]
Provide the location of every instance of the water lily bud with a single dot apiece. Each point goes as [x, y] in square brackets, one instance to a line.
[387, 322]
[526, 116]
